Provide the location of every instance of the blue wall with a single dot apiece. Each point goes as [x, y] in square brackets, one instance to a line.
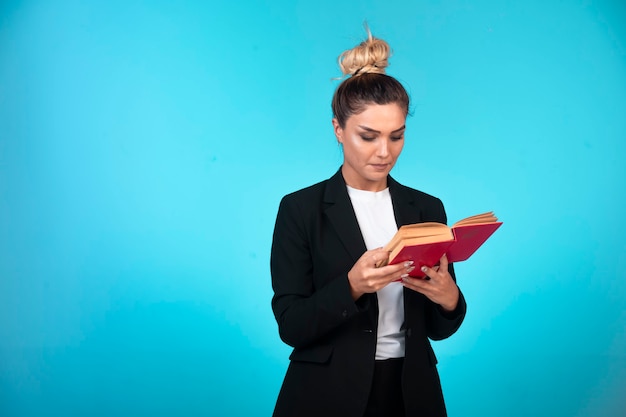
[144, 147]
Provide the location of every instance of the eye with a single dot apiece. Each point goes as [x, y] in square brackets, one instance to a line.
[397, 138]
[368, 138]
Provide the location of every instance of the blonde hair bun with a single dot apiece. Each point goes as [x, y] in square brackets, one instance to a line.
[370, 56]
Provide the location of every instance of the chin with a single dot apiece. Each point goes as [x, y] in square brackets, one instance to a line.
[378, 177]
[380, 174]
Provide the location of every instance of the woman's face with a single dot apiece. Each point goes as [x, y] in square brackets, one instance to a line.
[372, 141]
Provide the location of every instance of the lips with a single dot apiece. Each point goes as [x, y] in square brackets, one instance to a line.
[380, 167]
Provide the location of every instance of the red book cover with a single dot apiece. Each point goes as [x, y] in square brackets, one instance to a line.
[426, 254]
[466, 239]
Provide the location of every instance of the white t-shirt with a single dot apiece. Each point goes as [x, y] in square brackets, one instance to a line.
[374, 212]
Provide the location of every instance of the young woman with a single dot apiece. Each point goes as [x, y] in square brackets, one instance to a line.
[360, 333]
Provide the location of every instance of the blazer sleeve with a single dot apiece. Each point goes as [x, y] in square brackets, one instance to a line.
[442, 324]
[304, 313]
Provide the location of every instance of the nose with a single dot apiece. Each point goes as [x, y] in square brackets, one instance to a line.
[383, 148]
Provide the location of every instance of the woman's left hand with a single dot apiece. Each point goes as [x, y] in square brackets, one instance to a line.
[439, 287]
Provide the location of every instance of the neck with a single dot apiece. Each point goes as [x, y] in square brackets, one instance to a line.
[362, 183]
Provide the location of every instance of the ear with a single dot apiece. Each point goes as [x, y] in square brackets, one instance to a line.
[338, 130]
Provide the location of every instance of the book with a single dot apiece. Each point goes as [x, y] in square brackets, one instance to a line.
[425, 243]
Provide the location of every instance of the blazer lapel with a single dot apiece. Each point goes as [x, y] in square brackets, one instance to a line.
[405, 209]
[341, 215]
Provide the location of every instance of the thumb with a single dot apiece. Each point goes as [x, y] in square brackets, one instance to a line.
[382, 257]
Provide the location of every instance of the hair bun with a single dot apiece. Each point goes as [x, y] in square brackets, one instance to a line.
[370, 56]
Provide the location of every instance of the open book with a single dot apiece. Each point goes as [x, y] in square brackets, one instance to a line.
[425, 243]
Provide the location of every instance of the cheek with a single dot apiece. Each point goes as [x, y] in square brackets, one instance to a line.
[397, 149]
[351, 151]
[359, 148]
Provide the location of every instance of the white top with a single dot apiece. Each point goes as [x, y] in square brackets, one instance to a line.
[374, 212]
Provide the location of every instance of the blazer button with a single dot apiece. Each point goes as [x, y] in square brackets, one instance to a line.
[344, 313]
[408, 332]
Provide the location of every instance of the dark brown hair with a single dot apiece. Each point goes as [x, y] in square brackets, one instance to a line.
[356, 92]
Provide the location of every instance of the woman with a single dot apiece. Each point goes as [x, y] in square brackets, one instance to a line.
[360, 333]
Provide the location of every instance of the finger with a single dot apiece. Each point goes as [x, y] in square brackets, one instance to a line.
[443, 263]
[404, 273]
[417, 284]
[430, 272]
[392, 269]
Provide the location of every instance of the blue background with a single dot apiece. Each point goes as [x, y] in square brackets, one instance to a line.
[144, 147]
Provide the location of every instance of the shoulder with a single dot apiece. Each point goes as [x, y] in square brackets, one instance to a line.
[412, 194]
[310, 193]
[415, 205]
[306, 203]
[301, 211]
[328, 191]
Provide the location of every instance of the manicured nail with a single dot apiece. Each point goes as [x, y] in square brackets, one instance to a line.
[403, 276]
[424, 269]
[410, 269]
[408, 264]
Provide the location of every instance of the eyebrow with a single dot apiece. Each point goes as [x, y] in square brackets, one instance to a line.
[369, 129]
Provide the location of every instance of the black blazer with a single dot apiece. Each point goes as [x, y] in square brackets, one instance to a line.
[316, 242]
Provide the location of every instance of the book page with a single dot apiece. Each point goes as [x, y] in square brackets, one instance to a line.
[477, 219]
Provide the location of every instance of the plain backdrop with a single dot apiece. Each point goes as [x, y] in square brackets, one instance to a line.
[145, 146]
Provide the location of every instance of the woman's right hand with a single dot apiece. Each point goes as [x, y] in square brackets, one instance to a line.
[365, 277]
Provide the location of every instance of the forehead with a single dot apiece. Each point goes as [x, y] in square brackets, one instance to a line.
[382, 117]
